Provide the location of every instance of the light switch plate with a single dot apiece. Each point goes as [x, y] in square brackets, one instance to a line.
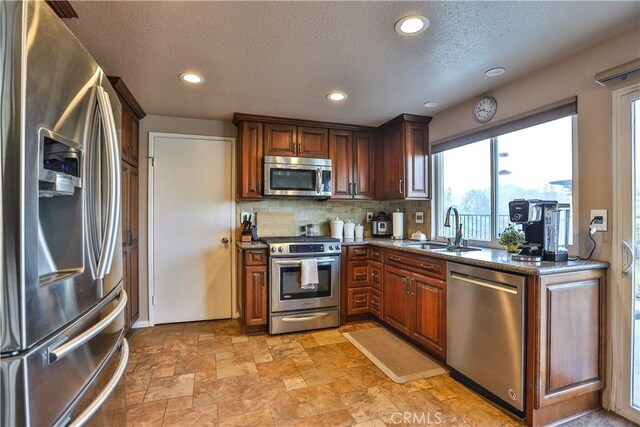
[600, 224]
[369, 216]
[419, 217]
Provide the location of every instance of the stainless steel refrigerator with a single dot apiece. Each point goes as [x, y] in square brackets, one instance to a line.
[61, 300]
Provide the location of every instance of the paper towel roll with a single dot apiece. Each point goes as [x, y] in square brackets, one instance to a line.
[398, 225]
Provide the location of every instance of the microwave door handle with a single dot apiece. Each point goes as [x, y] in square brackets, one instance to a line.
[113, 186]
[318, 178]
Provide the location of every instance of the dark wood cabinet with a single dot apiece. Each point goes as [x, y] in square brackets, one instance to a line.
[404, 159]
[397, 299]
[358, 300]
[252, 289]
[341, 155]
[429, 313]
[376, 303]
[358, 274]
[250, 161]
[132, 113]
[280, 140]
[352, 157]
[313, 142]
[376, 273]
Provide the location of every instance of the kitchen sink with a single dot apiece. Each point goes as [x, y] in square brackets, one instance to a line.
[425, 245]
[460, 249]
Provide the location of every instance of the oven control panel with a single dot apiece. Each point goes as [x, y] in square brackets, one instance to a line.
[284, 249]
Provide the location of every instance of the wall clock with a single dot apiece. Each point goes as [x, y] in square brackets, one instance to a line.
[485, 109]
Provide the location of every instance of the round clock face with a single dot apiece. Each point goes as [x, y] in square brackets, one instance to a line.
[486, 109]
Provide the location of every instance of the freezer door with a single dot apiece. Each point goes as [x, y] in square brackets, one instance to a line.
[45, 385]
[61, 212]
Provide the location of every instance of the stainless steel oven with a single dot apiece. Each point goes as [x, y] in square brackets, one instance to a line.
[293, 308]
[297, 177]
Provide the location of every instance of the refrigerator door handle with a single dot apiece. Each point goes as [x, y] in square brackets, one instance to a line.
[113, 163]
[108, 389]
[61, 351]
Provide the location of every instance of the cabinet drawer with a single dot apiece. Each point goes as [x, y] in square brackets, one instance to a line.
[358, 301]
[375, 274]
[358, 274]
[255, 257]
[358, 253]
[375, 301]
[424, 265]
[375, 254]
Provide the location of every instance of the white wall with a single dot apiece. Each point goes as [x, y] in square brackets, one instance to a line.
[569, 77]
[169, 125]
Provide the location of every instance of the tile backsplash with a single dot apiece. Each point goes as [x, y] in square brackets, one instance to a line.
[320, 213]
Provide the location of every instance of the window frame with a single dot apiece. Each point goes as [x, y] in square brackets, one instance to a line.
[438, 211]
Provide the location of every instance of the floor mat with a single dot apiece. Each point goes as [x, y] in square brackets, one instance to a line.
[396, 358]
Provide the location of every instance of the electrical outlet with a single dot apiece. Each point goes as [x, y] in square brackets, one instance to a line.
[244, 215]
[598, 219]
[419, 217]
[369, 216]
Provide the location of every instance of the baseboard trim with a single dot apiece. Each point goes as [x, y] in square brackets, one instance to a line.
[141, 324]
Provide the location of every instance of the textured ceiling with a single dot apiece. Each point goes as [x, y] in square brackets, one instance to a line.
[282, 58]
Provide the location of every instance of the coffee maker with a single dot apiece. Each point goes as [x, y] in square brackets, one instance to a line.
[546, 229]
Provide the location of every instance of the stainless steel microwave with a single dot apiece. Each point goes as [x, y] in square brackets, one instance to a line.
[297, 177]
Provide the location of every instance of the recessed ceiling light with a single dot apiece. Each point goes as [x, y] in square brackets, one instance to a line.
[192, 78]
[413, 24]
[495, 72]
[431, 104]
[337, 96]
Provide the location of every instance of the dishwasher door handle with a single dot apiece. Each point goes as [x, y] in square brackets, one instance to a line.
[491, 285]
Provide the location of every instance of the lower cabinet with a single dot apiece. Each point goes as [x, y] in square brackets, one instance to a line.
[253, 288]
[376, 303]
[429, 312]
[359, 300]
[397, 299]
[415, 305]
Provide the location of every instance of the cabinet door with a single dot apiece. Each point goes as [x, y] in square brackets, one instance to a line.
[125, 133]
[280, 140]
[376, 304]
[358, 274]
[134, 150]
[375, 274]
[133, 244]
[429, 313]
[250, 167]
[392, 183]
[313, 142]
[417, 161]
[358, 300]
[363, 152]
[340, 153]
[397, 298]
[255, 279]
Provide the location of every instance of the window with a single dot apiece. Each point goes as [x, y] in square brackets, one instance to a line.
[481, 178]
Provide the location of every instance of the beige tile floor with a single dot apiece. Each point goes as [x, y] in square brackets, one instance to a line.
[209, 374]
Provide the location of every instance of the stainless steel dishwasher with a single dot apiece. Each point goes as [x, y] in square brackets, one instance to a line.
[485, 332]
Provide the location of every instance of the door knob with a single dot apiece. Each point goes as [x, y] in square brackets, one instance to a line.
[225, 240]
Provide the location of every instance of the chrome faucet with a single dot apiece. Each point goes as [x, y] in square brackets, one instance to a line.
[447, 223]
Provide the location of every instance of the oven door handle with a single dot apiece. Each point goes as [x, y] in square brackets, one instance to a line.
[304, 318]
[321, 261]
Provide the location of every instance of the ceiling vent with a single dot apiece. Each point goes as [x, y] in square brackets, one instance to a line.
[619, 73]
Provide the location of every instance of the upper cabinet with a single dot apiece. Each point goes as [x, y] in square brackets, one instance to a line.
[296, 141]
[132, 113]
[397, 150]
[352, 157]
[404, 159]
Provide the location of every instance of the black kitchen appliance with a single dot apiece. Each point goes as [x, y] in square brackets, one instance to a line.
[381, 225]
[546, 228]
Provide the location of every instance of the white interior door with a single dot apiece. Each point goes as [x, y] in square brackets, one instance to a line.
[192, 211]
[625, 269]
